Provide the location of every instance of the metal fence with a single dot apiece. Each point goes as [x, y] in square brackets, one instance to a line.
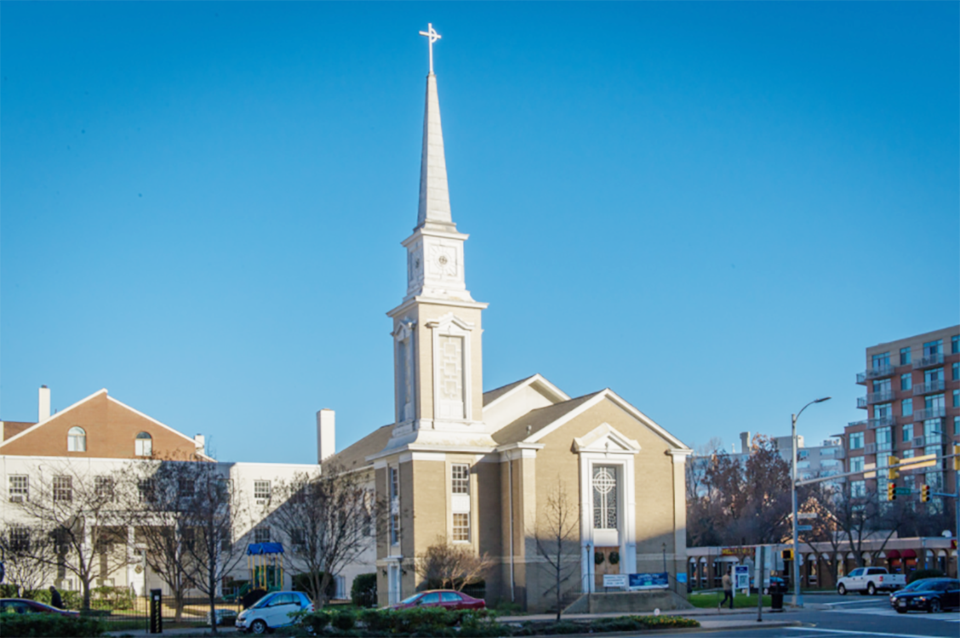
[194, 614]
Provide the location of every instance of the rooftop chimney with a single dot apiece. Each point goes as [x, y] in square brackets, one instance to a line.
[326, 434]
[200, 442]
[43, 412]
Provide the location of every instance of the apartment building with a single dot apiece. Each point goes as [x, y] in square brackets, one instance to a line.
[912, 405]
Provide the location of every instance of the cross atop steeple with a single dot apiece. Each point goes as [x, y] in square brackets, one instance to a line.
[432, 36]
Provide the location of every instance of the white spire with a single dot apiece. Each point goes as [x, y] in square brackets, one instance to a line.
[434, 194]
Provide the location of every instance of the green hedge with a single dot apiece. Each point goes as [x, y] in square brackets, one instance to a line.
[363, 592]
[36, 625]
[433, 622]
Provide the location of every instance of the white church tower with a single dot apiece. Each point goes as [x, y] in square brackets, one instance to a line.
[437, 336]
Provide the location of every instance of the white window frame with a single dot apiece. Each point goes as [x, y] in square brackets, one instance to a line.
[18, 488]
[76, 439]
[393, 485]
[262, 491]
[143, 445]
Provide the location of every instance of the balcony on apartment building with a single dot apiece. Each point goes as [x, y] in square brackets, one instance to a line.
[875, 397]
[874, 373]
[878, 422]
[928, 361]
[930, 413]
[929, 387]
[924, 441]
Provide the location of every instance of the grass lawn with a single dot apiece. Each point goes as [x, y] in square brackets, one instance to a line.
[712, 599]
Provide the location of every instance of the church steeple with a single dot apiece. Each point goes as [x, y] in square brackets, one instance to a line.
[438, 366]
[434, 193]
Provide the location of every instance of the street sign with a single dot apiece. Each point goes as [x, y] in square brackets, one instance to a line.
[927, 460]
[803, 516]
[804, 528]
[903, 491]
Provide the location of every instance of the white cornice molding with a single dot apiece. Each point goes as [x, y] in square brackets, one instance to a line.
[431, 301]
[586, 443]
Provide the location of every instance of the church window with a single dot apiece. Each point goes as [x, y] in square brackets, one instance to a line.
[62, 488]
[144, 444]
[461, 478]
[604, 497]
[460, 501]
[461, 527]
[19, 488]
[76, 440]
[394, 506]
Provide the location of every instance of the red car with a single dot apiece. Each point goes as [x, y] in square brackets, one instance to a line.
[27, 606]
[446, 598]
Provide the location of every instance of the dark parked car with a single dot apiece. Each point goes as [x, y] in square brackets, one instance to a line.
[447, 598]
[930, 595]
[27, 606]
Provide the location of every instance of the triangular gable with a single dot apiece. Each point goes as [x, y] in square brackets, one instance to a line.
[605, 438]
[519, 398]
[608, 394]
[56, 416]
[59, 416]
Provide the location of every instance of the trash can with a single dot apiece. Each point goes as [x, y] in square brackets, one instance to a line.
[778, 587]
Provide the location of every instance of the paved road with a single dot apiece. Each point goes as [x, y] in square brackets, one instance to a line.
[848, 617]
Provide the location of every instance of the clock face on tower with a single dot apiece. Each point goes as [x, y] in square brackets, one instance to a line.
[443, 261]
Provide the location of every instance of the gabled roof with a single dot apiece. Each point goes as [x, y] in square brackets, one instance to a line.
[492, 396]
[543, 421]
[59, 415]
[355, 456]
[528, 425]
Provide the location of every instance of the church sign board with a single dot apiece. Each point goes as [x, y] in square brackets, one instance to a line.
[618, 581]
[656, 580]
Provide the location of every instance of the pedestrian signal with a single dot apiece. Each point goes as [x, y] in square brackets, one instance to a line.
[786, 554]
[925, 493]
[891, 492]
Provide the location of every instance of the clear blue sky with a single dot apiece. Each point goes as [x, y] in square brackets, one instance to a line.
[712, 208]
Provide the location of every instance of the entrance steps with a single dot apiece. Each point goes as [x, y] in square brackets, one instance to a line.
[628, 602]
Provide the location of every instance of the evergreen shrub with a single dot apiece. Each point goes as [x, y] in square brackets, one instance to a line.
[363, 592]
[43, 625]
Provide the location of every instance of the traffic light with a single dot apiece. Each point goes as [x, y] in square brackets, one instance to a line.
[891, 492]
[925, 493]
[956, 458]
[786, 554]
[892, 473]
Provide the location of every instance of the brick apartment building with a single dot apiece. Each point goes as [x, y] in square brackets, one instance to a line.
[913, 409]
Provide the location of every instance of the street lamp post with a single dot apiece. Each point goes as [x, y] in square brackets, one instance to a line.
[797, 597]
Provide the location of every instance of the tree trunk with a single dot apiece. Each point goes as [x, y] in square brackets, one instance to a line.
[85, 585]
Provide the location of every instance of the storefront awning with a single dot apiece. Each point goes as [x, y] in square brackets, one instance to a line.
[908, 553]
[893, 553]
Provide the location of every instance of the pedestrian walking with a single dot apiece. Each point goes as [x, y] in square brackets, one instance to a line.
[55, 599]
[727, 588]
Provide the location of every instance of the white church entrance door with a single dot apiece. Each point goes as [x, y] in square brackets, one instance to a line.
[393, 584]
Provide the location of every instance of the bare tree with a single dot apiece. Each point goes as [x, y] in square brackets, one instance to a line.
[448, 566]
[556, 539]
[202, 514]
[165, 491]
[329, 520]
[80, 513]
[28, 556]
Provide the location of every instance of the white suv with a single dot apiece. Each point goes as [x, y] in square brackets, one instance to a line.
[273, 611]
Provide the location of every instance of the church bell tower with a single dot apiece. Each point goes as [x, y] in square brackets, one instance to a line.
[437, 335]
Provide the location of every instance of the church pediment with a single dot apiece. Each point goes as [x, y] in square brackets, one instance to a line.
[605, 438]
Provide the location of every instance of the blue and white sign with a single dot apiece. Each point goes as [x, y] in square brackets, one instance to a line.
[741, 577]
[657, 580]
